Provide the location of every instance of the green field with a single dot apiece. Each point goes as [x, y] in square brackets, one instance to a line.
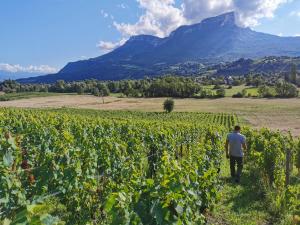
[229, 92]
[79, 166]
[26, 95]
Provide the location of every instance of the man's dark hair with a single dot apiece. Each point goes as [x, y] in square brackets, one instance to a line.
[237, 128]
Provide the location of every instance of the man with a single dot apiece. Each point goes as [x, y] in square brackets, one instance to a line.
[235, 143]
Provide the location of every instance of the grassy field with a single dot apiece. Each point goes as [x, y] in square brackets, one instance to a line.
[25, 95]
[282, 114]
[235, 90]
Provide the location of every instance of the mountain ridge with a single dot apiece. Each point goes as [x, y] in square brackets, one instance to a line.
[214, 40]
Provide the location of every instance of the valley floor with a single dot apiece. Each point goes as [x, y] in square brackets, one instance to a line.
[282, 114]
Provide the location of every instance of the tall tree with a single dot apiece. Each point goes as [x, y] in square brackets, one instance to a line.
[294, 74]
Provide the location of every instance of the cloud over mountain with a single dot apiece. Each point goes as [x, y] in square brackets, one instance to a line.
[160, 17]
[109, 46]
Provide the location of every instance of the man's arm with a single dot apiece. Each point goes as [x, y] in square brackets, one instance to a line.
[226, 148]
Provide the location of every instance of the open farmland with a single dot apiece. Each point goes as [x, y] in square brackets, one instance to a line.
[283, 114]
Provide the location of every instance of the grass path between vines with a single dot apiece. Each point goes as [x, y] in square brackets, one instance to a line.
[240, 203]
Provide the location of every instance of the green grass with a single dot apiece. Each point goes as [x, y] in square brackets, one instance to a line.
[253, 91]
[240, 203]
[26, 95]
[117, 95]
[234, 90]
[245, 203]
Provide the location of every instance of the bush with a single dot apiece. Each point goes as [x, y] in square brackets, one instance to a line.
[80, 90]
[169, 105]
[9, 90]
[205, 94]
[238, 95]
[286, 90]
[264, 92]
[96, 92]
[217, 86]
[236, 83]
[103, 89]
[220, 93]
[244, 92]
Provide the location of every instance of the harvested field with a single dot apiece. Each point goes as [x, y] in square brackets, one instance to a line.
[283, 114]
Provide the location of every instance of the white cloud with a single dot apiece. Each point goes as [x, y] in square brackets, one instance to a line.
[295, 13]
[123, 6]
[83, 57]
[107, 46]
[161, 17]
[42, 69]
[248, 12]
[197, 10]
[104, 14]
[297, 35]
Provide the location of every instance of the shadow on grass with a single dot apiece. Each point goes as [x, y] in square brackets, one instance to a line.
[245, 195]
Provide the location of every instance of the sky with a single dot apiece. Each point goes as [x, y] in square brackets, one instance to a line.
[41, 36]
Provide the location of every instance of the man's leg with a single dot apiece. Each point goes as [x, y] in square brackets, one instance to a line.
[239, 168]
[232, 166]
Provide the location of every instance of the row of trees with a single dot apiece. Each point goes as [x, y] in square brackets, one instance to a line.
[80, 87]
[168, 86]
[283, 89]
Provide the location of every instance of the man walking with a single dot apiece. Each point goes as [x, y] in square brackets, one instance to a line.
[235, 143]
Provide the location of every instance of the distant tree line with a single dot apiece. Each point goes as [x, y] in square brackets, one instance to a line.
[166, 86]
[269, 85]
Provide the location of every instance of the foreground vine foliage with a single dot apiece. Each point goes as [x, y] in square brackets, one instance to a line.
[87, 167]
[107, 171]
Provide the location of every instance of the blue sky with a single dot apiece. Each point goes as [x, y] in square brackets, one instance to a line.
[54, 32]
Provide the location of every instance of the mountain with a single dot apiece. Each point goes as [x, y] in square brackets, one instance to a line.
[214, 40]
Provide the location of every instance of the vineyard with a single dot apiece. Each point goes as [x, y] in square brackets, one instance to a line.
[68, 166]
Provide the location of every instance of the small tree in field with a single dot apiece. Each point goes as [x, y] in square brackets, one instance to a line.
[169, 105]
